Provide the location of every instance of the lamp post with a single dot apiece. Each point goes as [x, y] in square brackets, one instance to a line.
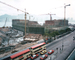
[65, 12]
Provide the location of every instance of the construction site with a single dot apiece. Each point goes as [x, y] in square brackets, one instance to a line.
[24, 33]
[12, 40]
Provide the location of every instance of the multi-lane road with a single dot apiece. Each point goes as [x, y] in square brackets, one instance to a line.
[66, 41]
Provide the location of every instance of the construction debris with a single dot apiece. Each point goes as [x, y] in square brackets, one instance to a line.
[33, 37]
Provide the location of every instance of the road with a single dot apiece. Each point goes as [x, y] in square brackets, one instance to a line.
[66, 41]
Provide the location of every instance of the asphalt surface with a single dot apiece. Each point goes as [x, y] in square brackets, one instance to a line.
[66, 41]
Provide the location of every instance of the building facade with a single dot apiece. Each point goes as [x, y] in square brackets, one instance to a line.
[55, 24]
[31, 26]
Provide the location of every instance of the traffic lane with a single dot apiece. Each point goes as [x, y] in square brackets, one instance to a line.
[59, 44]
[55, 41]
[67, 42]
[47, 53]
[60, 51]
[60, 39]
[56, 54]
[55, 46]
[40, 55]
[51, 55]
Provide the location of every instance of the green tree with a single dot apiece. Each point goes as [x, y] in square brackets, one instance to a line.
[68, 29]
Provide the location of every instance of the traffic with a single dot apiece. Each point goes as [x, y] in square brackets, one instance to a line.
[30, 53]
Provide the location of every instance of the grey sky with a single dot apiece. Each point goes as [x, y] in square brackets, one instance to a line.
[38, 7]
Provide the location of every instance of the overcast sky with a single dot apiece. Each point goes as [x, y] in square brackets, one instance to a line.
[39, 7]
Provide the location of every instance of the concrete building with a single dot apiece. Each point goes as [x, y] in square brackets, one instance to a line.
[56, 24]
[31, 26]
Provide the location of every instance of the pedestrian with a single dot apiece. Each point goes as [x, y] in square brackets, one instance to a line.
[60, 50]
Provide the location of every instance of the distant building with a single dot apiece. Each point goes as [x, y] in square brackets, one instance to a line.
[31, 26]
[56, 24]
[72, 26]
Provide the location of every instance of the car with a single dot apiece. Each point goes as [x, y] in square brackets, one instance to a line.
[43, 52]
[50, 51]
[43, 57]
[34, 56]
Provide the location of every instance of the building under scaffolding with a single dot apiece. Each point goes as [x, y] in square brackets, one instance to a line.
[31, 26]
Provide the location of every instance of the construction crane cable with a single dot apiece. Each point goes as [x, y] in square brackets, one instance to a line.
[5, 22]
[12, 6]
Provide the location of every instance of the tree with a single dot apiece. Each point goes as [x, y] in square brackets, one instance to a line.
[68, 29]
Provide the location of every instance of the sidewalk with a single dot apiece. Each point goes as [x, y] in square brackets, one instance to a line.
[66, 52]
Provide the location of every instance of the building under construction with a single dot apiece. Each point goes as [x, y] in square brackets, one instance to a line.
[31, 26]
[56, 24]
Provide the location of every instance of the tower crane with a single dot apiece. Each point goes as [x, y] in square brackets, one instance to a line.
[17, 10]
[50, 15]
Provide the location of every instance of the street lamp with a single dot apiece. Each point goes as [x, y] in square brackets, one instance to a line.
[65, 12]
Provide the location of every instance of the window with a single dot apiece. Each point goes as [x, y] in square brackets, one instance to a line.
[34, 56]
[43, 56]
[50, 50]
[27, 56]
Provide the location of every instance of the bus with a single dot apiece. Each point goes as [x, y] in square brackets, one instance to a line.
[26, 54]
[38, 48]
[23, 55]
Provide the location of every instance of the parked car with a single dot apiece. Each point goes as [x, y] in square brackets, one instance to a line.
[50, 51]
[43, 52]
[34, 56]
[43, 57]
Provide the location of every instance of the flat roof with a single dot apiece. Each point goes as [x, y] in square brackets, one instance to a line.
[20, 53]
[38, 45]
